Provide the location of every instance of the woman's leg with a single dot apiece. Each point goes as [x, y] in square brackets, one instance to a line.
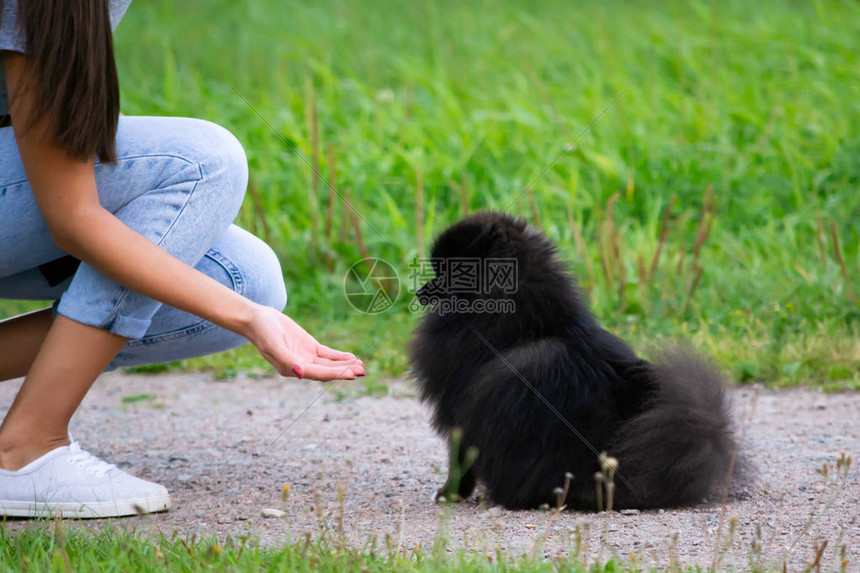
[238, 260]
[21, 338]
[38, 420]
[179, 183]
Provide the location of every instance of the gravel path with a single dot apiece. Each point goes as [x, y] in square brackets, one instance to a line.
[198, 436]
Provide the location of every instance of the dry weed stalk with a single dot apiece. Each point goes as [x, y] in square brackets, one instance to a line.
[329, 214]
[346, 213]
[819, 552]
[356, 226]
[643, 278]
[579, 241]
[819, 239]
[332, 180]
[259, 211]
[315, 160]
[665, 229]
[608, 243]
[837, 252]
[581, 541]
[533, 207]
[693, 282]
[679, 269]
[622, 273]
[341, 511]
[464, 196]
[407, 108]
[709, 212]
[617, 260]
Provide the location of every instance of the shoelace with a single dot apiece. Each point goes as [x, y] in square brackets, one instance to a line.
[87, 461]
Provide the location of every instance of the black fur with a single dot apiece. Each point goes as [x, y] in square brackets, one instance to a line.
[667, 422]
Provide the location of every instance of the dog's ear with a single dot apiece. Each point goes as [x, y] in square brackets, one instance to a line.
[476, 236]
[464, 239]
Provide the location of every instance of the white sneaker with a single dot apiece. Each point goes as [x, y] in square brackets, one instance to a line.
[70, 482]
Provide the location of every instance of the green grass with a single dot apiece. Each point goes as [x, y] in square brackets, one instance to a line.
[57, 547]
[475, 100]
[60, 548]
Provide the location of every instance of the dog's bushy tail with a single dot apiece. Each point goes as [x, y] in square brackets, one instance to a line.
[682, 449]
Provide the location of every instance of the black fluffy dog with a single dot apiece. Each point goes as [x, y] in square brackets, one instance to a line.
[541, 390]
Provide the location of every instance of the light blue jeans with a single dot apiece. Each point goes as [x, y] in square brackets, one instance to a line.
[180, 183]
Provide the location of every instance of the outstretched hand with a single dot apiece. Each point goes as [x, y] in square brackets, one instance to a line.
[294, 352]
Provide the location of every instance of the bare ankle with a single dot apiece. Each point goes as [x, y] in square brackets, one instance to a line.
[17, 453]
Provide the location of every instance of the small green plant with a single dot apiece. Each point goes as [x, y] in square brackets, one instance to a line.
[134, 398]
[459, 463]
[152, 368]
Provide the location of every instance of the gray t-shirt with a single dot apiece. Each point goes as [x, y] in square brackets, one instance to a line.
[12, 37]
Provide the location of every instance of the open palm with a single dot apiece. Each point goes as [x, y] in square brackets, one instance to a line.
[294, 352]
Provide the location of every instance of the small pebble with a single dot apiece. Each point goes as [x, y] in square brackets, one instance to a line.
[629, 512]
[272, 512]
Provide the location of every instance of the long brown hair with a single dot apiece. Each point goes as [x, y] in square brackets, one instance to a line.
[72, 73]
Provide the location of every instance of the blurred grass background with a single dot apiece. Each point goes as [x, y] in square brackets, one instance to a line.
[421, 111]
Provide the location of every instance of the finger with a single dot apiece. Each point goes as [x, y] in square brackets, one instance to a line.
[342, 363]
[357, 366]
[284, 362]
[324, 351]
[326, 373]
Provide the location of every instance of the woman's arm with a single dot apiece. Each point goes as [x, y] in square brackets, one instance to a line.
[65, 190]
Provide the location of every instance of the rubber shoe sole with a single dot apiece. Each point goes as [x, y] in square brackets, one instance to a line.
[87, 510]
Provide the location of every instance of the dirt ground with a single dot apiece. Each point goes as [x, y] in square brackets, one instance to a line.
[208, 442]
